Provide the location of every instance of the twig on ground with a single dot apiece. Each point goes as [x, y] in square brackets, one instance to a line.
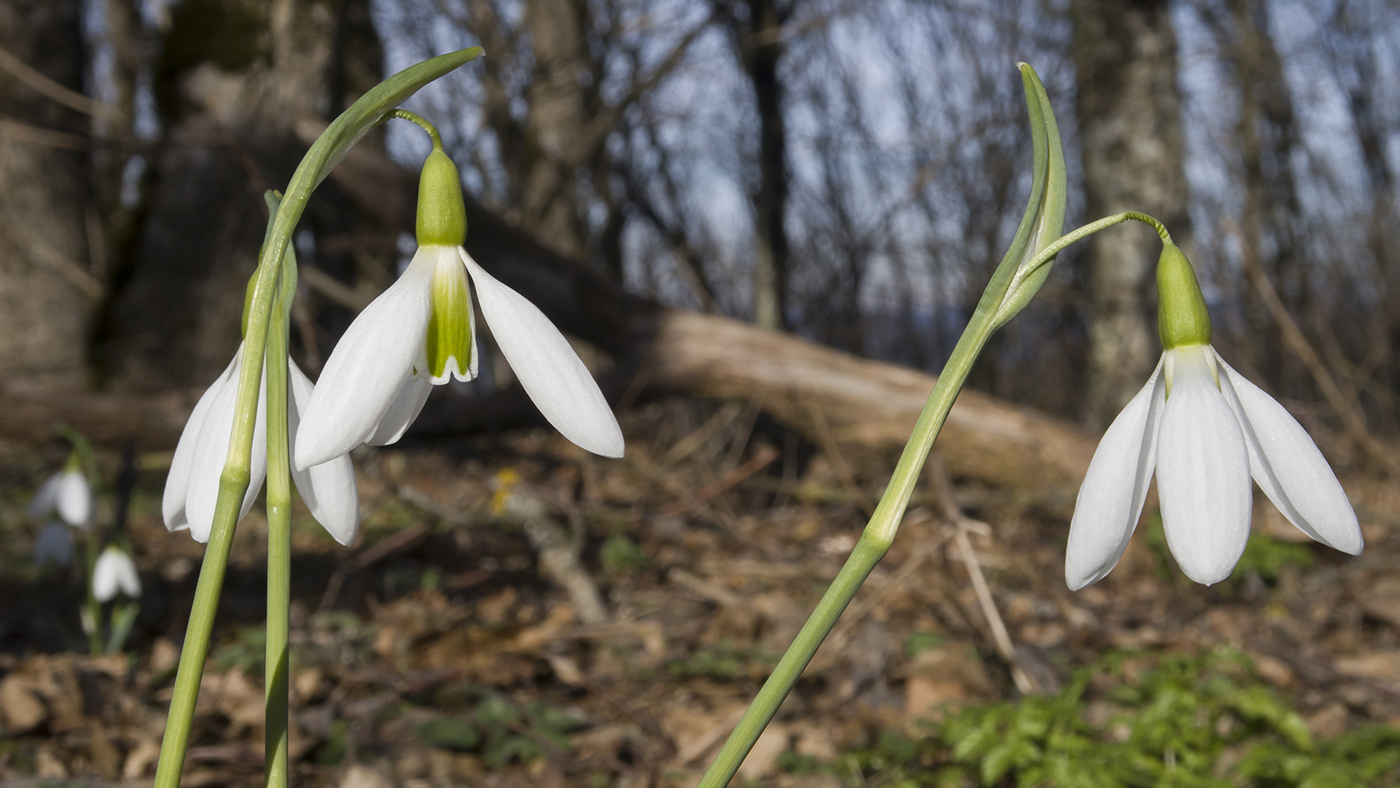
[838, 460]
[558, 553]
[756, 463]
[1001, 638]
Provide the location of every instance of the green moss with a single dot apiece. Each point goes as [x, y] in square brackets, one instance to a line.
[1180, 720]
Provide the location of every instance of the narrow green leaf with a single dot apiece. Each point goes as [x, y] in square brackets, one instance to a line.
[1015, 282]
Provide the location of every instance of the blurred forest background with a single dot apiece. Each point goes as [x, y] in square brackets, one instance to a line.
[847, 171]
[739, 209]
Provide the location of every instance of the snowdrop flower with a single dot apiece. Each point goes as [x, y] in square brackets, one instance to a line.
[192, 488]
[53, 545]
[114, 572]
[1205, 431]
[67, 493]
[421, 332]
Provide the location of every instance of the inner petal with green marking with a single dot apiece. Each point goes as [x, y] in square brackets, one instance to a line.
[449, 339]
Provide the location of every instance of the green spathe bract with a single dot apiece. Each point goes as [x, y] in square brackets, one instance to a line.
[1019, 276]
[1182, 317]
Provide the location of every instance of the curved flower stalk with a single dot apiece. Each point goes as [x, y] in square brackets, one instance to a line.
[421, 333]
[192, 488]
[115, 573]
[67, 494]
[185, 503]
[1204, 430]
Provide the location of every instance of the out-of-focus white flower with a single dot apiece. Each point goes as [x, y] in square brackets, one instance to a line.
[53, 545]
[421, 332]
[1205, 431]
[114, 572]
[192, 488]
[66, 493]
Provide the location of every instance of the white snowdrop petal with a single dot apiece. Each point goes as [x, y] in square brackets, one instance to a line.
[367, 368]
[547, 368]
[1289, 468]
[403, 411]
[328, 489]
[1115, 487]
[113, 572]
[1202, 473]
[127, 578]
[104, 579]
[177, 482]
[73, 499]
[211, 454]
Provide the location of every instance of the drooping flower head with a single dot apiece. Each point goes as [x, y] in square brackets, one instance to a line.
[115, 572]
[421, 332]
[67, 494]
[192, 488]
[1204, 430]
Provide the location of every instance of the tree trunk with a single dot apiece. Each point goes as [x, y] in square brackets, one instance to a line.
[1131, 141]
[557, 113]
[1267, 135]
[761, 48]
[234, 77]
[47, 289]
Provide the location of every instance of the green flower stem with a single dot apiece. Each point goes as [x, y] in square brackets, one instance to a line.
[1048, 253]
[373, 108]
[874, 542]
[422, 123]
[233, 483]
[92, 612]
[279, 542]
[879, 533]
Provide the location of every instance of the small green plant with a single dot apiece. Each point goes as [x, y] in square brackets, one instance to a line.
[1266, 557]
[246, 651]
[721, 661]
[920, 641]
[502, 731]
[620, 555]
[1181, 720]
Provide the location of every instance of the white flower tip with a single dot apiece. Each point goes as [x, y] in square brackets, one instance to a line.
[313, 448]
[1206, 564]
[1078, 576]
[300, 454]
[608, 443]
[1207, 569]
[1349, 541]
